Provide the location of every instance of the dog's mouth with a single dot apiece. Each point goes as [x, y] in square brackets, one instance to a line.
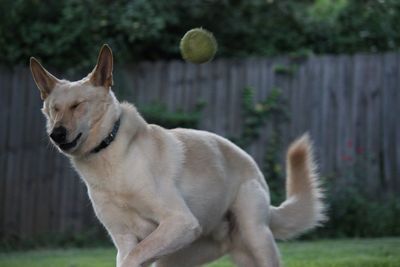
[68, 146]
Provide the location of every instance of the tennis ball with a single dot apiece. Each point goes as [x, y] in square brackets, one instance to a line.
[198, 46]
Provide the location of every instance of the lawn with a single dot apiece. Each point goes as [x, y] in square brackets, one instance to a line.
[327, 253]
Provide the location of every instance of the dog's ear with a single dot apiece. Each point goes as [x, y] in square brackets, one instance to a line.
[44, 80]
[102, 73]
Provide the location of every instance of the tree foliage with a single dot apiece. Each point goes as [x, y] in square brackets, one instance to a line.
[67, 33]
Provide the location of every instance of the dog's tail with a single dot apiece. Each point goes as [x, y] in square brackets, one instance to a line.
[303, 208]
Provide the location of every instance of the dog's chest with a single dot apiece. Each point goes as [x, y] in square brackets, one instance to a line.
[121, 196]
[120, 213]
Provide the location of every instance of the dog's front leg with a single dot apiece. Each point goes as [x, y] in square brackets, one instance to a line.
[124, 243]
[173, 233]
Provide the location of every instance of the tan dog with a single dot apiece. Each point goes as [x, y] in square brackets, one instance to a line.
[175, 197]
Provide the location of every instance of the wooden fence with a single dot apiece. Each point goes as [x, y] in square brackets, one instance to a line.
[349, 104]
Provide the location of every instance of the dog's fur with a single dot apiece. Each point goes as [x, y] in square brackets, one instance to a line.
[175, 197]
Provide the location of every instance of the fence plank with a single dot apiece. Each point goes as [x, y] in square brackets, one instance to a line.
[389, 119]
[4, 123]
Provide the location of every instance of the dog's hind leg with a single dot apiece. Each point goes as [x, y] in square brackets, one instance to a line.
[241, 257]
[201, 251]
[253, 238]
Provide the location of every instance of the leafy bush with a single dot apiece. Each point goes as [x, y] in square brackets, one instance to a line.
[158, 113]
[256, 115]
[68, 33]
[93, 237]
[285, 70]
[273, 111]
[352, 211]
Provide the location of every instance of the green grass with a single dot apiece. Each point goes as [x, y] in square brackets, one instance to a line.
[327, 253]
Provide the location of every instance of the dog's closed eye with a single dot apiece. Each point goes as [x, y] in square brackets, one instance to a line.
[55, 108]
[74, 106]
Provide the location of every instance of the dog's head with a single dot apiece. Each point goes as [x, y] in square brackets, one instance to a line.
[73, 109]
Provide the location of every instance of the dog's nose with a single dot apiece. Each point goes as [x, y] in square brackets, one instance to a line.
[59, 135]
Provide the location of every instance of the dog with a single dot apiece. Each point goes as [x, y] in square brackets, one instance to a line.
[176, 198]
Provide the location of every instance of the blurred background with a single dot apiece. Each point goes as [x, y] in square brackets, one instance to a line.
[327, 67]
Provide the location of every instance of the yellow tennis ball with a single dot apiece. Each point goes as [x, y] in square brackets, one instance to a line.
[198, 46]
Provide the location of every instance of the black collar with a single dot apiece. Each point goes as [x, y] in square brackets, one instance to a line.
[108, 140]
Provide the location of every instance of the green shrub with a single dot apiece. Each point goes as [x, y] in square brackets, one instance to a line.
[93, 237]
[272, 111]
[354, 209]
[158, 113]
[283, 69]
[256, 115]
[68, 33]
[353, 213]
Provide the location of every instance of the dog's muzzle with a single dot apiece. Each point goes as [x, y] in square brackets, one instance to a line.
[59, 136]
[68, 146]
